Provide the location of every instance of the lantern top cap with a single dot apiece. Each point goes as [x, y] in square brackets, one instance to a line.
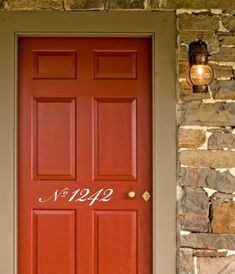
[198, 47]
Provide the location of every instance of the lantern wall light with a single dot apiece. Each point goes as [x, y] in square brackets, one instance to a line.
[200, 74]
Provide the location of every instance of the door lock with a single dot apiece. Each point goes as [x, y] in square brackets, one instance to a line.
[146, 196]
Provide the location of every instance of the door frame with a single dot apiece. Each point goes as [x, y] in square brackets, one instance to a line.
[160, 26]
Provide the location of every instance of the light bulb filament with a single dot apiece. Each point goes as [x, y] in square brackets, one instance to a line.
[200, 70]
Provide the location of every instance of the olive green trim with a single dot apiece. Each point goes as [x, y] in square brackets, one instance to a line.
[160, 26]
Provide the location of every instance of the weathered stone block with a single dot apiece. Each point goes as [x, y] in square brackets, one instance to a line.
[223, 90]
[218, 4]
[221, 140]
[187, 37]
[1, 4]
[222, 71]
[177, 4]
[198, 113]
[227, 40]
[186, 263]
[197, 22]
[213, 45]
[209, 178]
[216, 265]
[212, 41]
[191, 138]
[209, 253]
[183, 53]
[225, 54]
[223, 216]
[229, 22]
[219, 130]
[183, 69]
[126, 4]
[34, 5]
[223, 196]
[194, 210]
[83, 4]
[204, 158]
[208, 241]
[185, 85]
[185, 93]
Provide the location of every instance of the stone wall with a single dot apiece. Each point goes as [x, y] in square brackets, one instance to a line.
[206, 145]
[206, 127]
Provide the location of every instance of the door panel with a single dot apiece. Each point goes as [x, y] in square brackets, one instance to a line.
[54, 158]
[84, 143]
[115, 138]
[115, 64]
[54, 249]
[115, 233]
[54, 64]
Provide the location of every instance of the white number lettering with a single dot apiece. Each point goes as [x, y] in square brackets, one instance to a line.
[83, 195]
[83, 199]
[74, 194]
[63, 193]
[94, 197]
[108, 192]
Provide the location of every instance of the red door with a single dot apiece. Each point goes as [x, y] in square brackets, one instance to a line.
[85, 156]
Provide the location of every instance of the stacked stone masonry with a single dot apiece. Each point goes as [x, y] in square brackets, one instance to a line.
[206, 144]
[206, 127]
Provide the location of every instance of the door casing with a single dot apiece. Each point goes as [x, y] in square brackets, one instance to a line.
[160, 26]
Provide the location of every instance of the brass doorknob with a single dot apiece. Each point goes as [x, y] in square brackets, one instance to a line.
[131, 194]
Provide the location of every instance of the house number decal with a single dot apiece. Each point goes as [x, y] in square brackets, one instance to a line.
[79, 195]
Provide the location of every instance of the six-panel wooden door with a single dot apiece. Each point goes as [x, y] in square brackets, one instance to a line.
[85, 143]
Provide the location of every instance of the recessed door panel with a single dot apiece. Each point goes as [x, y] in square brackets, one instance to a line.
[85, 156]
[54, 153]
[116, 234]
[115, 64]
[54, 64]
[54, 241]
[115, 138]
